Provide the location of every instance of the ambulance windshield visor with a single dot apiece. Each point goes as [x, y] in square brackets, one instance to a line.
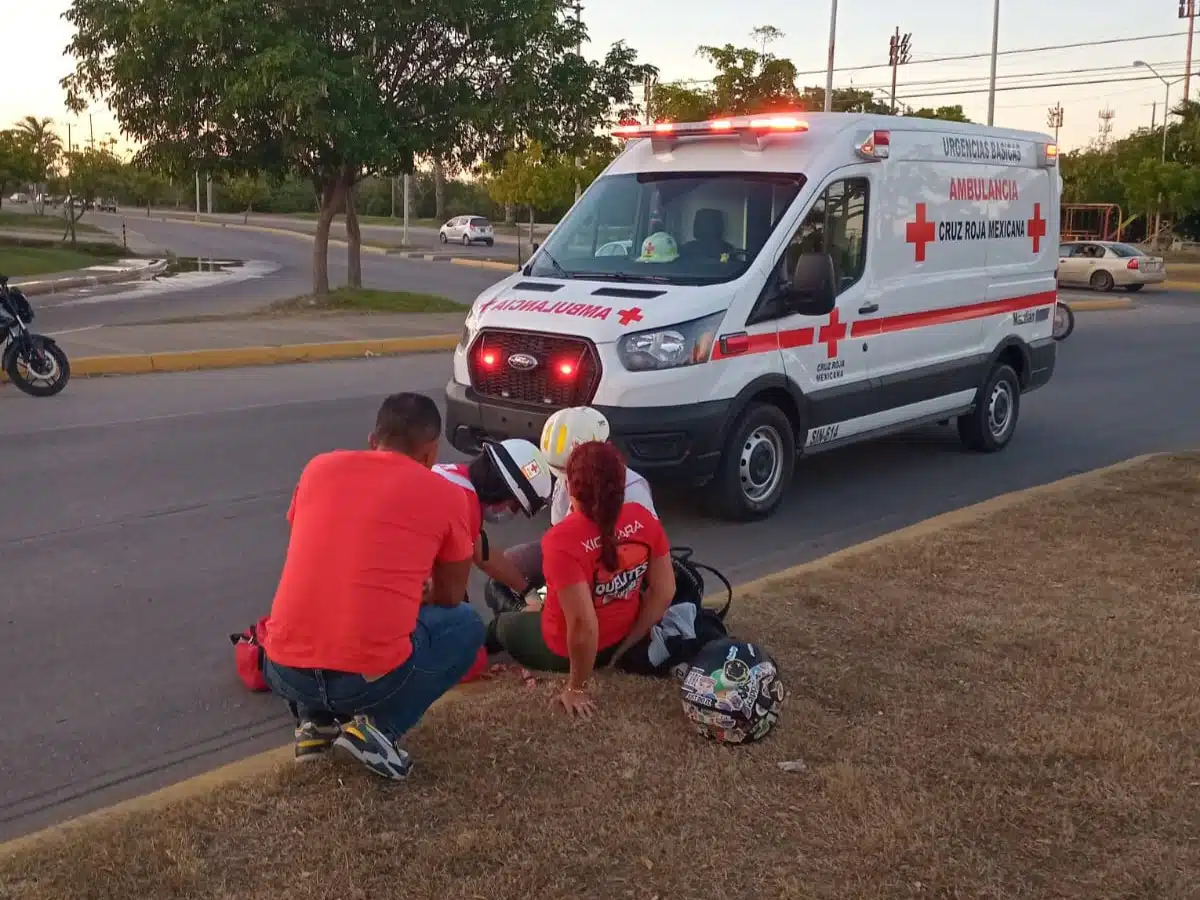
[687, 228]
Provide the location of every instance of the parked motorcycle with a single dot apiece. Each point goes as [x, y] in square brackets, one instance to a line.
[33, 362]
[1064, 321]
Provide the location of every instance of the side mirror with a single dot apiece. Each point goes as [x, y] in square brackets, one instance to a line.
[811, 290]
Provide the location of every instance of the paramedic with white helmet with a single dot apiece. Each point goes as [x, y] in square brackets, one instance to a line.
[507, 479]
[563, 432]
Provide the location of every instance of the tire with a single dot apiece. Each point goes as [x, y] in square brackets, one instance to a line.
[38, 388]
[742, 490]
[1101, 281]
[442, 236]
[491, 243]
[466, 240]
[1064, 322]
[978, 429]
[1134, 288]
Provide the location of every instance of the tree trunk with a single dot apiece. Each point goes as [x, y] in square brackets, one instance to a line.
[353, 240]
[531, 214]
[510, 214]
[246, 216]
[330, 199]
[439, 190]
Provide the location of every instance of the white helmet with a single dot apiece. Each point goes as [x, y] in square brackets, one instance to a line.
[567, 429]
[524, 470]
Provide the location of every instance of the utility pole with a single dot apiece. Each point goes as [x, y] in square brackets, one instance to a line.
[404, 235]
[91, 133]
[197, 192]
[898, 55]
[995, 53]
[829, 62]
[648, 84]
[1153, 115]
[210, 194]
[1054, 119]
[1187, 10]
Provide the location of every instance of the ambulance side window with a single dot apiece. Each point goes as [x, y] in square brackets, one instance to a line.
[836, 224]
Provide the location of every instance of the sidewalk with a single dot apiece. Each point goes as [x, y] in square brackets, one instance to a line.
[223, 343]
[119, 271]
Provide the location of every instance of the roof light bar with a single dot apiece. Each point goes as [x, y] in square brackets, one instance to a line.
[756, 125]
[876, 146]
[1049, 155]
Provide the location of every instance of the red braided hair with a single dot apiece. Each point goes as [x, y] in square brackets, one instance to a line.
[596, 476]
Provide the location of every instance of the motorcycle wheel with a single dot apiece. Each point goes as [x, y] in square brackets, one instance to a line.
[1064, 322]
[44, 376]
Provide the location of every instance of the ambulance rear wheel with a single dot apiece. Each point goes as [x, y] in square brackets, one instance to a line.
[756, 465]
[991, 424]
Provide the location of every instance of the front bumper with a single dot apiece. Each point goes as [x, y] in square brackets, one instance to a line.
[676, 443]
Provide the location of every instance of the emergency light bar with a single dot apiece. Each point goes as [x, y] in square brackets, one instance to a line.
[748, 127]
[1049, 155]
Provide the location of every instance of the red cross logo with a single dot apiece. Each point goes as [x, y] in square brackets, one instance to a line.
[629, 315]
[832, 333]
[1037, 227]
[920, 232]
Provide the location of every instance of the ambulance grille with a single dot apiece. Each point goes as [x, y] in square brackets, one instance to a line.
[566, 370]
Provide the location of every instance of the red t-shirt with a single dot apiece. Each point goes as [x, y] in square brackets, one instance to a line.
[571, 554]
[367, 528]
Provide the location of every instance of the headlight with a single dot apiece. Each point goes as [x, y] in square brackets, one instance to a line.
[687, 344]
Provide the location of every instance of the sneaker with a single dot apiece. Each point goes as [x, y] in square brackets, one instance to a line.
[371, 747]
[313, 741]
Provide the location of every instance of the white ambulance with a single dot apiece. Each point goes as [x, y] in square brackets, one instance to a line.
[735, 293]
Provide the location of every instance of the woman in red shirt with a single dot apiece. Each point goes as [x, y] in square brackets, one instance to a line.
[609, 580]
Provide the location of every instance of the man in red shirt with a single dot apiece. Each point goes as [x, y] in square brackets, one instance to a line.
[355, 630]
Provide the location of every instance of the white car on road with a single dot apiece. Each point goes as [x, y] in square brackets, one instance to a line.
[467, 230]
[1103, 265]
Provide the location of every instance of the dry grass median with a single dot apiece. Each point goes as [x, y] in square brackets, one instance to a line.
[1006, 708]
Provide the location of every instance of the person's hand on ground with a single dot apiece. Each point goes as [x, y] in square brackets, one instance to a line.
[577, 703]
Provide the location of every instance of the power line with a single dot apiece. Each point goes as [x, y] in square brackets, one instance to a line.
[1031, 87]
[1024, 76]
[969, 56]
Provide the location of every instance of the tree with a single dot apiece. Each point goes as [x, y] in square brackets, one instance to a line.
[532, 178]
[146, 186]
[332, 91]
[93, 172]
[945, 113]
[46, 147]
[246, 192]
[18, 166]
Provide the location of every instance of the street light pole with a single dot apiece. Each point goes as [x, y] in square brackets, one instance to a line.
[1187, 10]
[829, 65]
[995, 54]
[1141, 63]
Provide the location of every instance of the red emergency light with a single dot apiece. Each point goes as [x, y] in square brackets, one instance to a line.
[489, 358]
[756, 125]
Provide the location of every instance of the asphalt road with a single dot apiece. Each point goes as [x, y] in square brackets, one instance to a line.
[292, 255]
[146, 523]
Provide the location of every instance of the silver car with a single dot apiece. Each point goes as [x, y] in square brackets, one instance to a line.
[467, 230]
[1103, 265]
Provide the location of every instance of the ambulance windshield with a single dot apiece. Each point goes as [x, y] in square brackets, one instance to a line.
[670, 227]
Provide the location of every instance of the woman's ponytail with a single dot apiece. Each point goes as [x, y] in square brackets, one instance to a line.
[596, 476]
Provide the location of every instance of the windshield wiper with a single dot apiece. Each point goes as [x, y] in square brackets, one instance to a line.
[622, 276]
[542, 251]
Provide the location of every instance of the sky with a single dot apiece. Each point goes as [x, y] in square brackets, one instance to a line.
[667, 33]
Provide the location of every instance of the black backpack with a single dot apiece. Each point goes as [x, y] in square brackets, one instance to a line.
[708, 623]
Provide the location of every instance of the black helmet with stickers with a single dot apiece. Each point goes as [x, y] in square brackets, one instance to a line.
[732, 692]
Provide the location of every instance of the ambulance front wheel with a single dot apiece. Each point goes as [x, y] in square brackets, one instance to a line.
[990, 425]
[756, 465]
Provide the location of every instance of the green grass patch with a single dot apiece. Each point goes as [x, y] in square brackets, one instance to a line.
[369, 300]
[20, 260]
[52, 221]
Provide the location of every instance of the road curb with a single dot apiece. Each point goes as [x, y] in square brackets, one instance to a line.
[262, 763]
[239, 357]
[483, 264]
[58, 285]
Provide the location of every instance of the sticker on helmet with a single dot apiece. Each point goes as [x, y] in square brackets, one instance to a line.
[531, 469]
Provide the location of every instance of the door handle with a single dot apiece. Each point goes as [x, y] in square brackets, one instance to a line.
[868, 309]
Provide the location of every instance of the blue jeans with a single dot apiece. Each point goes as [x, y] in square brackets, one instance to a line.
[444, 645]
